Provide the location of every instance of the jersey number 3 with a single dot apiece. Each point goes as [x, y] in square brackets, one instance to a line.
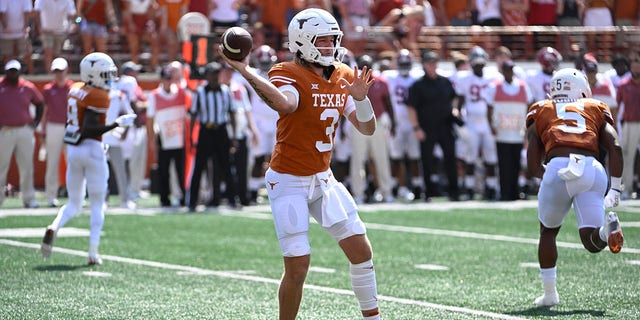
[334, 115]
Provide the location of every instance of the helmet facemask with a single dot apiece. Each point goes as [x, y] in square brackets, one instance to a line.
[304, 30]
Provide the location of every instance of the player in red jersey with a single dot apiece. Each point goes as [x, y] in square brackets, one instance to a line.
[565, 133]
[311, 93]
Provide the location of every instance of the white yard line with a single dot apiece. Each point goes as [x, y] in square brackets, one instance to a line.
[232, 275]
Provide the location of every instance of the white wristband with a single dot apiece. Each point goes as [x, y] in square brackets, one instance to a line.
[616, 183]
[364, 110]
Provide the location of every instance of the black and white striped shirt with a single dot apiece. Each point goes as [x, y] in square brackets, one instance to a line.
[212, 106]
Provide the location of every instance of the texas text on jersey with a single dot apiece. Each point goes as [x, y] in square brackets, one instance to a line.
[303, 148]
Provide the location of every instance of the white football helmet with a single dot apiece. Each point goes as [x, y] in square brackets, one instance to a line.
[404, 62]
[265, 57]
[98, 70]
[306, 27]
[570, 84]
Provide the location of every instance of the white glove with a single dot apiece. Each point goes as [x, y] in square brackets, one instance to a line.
[126, 120]
[612, 199]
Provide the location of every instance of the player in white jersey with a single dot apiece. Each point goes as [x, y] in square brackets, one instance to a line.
[403, 144]
[538, 81]
[264, 118]
[87, 164]
[472, 91]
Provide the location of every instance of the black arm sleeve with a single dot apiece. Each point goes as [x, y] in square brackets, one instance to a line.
[91, 128]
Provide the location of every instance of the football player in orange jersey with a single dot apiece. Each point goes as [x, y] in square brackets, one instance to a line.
[88, 102]
[565, 132]
[311, 93]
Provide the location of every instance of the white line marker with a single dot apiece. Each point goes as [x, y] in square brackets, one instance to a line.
[39, 232]
[231, 275]
[97, 274]
[431, 267]
[322, 270]
[634, 262]
[529, 264]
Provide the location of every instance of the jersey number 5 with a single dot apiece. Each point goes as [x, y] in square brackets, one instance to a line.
[572, 120]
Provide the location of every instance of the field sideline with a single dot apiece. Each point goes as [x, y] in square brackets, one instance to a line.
[441, 260]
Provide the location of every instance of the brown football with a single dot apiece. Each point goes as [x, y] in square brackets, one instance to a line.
[236, 43]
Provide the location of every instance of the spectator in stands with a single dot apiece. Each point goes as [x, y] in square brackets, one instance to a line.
[271, 14]
[597, 13]
[166, 121]
[453, 13]
[374, 147]
[14, 31]
[625, 13]
[170, 12]
[432, 117]
[509, 101]
[97, 19]
[488, 12]
[53, 22]
[542, 13]
[356, 16]
[213, 140]
[514, 14]
[569, 14]
[224, 14]
[380, 9]
[55, 99]
[17, 128]
[629, 95]
[138, 18]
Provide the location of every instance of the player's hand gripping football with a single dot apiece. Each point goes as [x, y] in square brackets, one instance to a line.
[362, 81]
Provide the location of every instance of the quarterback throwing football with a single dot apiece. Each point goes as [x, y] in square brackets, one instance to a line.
[311, 93]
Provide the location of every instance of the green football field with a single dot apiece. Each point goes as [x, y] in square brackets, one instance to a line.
[465, 260]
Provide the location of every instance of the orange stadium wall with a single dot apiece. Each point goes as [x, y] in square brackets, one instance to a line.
[13, 177]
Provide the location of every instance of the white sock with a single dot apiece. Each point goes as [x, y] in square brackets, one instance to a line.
[548, 276]
[376, 317]
[492, 182]
[470, 182]
[363, 282]
[602, 232]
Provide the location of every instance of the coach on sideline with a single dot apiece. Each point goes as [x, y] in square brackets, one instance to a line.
[16, 129]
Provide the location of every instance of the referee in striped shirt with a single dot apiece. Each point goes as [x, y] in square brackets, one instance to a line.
[212, 107]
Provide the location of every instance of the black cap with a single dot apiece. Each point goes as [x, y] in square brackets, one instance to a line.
[429, 56]
[364, 60]
[212, 67]
[166, 73]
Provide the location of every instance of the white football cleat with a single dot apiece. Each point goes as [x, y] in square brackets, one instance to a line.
[547, 300]
[94, 260]
[47, 242]
[615, 239]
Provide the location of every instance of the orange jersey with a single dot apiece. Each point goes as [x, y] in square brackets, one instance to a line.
[569, 124]
[304, 138]
[82, 98]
